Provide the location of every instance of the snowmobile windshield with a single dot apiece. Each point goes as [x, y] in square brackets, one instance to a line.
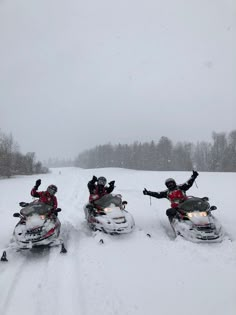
[108, 200]
[194, 204]
[35, 208]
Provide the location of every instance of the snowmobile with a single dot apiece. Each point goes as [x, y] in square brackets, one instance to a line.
[195, 222]
[38, 227]
[108, 215]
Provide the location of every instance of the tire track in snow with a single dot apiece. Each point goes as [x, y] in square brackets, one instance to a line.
[10, 276]
[18, 279]
[67, 275]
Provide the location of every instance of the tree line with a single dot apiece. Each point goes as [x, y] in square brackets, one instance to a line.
[164, 155]
[12, 162]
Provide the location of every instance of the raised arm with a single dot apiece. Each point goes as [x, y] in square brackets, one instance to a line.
[189, 182]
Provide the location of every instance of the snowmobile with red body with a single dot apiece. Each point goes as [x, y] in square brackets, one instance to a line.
[194, 221]
[38, 227]
[108, 214]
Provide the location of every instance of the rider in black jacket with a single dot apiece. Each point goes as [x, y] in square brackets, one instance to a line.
[174, 193]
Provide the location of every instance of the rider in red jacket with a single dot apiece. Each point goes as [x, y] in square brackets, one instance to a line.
[97, 188]
[174, 193]
[47, 196]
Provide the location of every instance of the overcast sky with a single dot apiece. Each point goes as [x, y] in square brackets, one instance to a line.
[75, 74]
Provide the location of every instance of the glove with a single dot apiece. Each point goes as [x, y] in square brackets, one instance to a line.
[37, 183]
[112, 183]
[195, 174]
[145, 192]
[94, 179]
[54, 212]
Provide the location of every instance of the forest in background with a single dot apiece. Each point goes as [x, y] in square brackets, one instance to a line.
[13, 162]
[164, 155]
[161, 155]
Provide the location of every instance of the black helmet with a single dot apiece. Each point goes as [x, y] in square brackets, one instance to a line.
[102, 181]
[170, 183]
[52, 189]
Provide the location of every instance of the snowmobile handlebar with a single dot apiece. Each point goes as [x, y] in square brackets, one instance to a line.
[23, 204]
[213, 208]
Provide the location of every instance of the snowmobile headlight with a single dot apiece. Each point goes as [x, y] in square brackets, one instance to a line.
[42, 217]
[197, 214]
[107, 209]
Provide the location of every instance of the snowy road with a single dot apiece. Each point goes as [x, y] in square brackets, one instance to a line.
[129, 274]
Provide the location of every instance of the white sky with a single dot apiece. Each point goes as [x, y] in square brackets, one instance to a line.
[78, 74]
[129, 274]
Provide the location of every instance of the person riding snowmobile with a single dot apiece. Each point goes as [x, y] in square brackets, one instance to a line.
[47, 196]
[100, 189]
[97, 189]
[174, 193]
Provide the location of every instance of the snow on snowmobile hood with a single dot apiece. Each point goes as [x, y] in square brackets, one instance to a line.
[35, 207]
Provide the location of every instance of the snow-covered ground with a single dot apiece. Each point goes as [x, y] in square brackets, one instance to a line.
[129, 274]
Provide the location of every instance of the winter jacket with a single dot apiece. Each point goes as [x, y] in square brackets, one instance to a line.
[45, 197]
[98, 191]
[175, 196]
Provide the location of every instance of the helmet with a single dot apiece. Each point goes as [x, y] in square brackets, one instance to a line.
[170, 183]
[102, 181]
[52, 189]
